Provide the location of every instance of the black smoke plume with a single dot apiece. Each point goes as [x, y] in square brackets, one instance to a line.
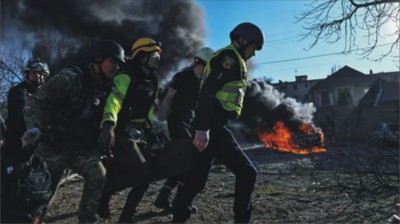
[60, 31]
[264, 105]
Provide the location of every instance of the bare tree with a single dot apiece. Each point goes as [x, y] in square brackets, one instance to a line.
[335, 20]
[12, 62]
[55, 49]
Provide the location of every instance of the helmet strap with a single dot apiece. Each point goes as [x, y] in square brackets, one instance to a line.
[243, 47]
[146, 70]
[146, 62]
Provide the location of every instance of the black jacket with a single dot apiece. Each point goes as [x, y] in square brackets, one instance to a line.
[12, 152]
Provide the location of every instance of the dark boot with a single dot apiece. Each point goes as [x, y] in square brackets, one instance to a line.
[134, 197]
[163, 199]
[127, 214]
[87, 218]
[104, 206]
[193, 208]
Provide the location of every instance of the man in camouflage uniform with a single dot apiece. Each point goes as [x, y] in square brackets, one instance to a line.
[65, 115]
[126, 118]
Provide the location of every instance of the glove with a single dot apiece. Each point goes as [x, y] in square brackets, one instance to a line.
[201, 140]
[158, 126]
[30, 136]
[106, 138]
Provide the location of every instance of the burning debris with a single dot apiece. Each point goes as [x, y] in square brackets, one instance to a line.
[305, 141]
[280, 123]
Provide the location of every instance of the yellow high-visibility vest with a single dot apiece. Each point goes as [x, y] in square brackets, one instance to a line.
[232, 93]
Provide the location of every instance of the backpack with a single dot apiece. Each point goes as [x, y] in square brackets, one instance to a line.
[33, 184]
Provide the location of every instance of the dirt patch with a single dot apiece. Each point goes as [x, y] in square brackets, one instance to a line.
[290, 189]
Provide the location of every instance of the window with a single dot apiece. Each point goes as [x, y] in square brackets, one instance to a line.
[345, 98]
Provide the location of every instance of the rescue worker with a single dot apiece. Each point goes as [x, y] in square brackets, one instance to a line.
[36, 72]
[126, 121]
[221, 99]
[179, 106]
[64, 117]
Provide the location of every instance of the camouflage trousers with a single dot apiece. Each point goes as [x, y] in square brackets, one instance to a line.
[87, 163]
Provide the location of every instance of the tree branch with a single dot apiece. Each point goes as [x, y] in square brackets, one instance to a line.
[335, 20]
[357, 5]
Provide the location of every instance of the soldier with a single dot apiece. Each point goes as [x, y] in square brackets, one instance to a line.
[129, 111]
[13, 155]
[179, 105]
[36, 72]
[65, 115]
[221, 99]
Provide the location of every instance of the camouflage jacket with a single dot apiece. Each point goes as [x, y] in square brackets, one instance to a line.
[68, 106]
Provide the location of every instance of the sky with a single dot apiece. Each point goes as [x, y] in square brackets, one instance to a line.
[277, 20]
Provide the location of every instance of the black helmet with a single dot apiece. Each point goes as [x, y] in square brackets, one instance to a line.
[37, 65]
[250, 32]
[107, 48]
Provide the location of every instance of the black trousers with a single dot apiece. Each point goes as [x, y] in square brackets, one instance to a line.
[128, 171]
[178, 129]
[224, 147]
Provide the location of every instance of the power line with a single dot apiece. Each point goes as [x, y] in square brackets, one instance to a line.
[317, 56]
[282, 39]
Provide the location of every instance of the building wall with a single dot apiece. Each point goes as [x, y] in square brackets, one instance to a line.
[390, 76]
[356, 93]
[297, 90]
[368, 117]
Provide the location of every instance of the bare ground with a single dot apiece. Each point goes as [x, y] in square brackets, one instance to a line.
[331, 187]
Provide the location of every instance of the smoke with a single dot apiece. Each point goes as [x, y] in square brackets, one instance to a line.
[58, 30]
[264, 105]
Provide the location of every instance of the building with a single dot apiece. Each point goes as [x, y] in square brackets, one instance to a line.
[380, 104]
[348, 100]
[345, 87]
[298, 89]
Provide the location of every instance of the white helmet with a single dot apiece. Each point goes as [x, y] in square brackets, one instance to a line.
[204, 54]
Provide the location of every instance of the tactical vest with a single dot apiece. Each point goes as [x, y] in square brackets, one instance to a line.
[138, 105]
[65, 111]
[91, 99]
[78, 117]
[232, 93]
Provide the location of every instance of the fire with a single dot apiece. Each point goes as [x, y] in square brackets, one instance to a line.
[281, 138]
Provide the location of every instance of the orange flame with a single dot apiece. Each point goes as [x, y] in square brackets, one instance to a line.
[280, 138]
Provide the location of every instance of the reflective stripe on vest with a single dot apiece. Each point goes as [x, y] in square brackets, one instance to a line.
[232, 94]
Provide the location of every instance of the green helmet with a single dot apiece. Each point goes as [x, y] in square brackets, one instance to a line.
[37, 65]
[204, 54]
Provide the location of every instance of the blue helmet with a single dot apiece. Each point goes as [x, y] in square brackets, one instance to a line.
[250, 32]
